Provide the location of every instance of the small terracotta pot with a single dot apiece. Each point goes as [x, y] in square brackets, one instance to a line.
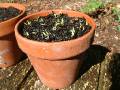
[9, 51]
[56, 63]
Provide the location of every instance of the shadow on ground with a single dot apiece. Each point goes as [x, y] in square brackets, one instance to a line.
[114, 70]
[95, 54]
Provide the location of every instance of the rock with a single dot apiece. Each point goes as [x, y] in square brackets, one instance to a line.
[12, 77]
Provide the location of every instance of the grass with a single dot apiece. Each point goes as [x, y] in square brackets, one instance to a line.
[116, 13]
[91, 6]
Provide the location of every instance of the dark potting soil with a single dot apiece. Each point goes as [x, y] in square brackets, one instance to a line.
[8, 13]
[54, 28]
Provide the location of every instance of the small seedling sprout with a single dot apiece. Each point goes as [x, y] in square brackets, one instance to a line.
[72, 32]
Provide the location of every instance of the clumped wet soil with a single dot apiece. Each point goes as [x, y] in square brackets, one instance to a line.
[54, 28]
[8, 13]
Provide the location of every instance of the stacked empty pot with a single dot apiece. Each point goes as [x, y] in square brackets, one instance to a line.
[56, 63]
[9, 51]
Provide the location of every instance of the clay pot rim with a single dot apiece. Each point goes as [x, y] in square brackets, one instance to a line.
[92, 23]
[3, 65]
[13, 5]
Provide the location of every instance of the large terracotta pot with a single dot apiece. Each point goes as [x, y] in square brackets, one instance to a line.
[9, 51]
[56, 63]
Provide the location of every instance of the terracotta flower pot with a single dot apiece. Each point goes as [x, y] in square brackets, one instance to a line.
[56, 63]
[9, 51]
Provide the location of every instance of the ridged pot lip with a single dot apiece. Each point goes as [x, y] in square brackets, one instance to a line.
[18, 35]
[4, 65]
[23, 9]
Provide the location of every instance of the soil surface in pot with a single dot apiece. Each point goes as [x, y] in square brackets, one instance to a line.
[8, 13]
[54, 28]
